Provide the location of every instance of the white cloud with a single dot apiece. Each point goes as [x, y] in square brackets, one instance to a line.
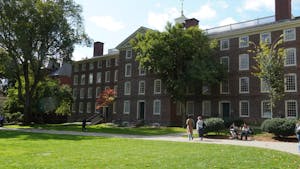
[157, 5]
[223, 4]
[159, 20]
[256, 5]
[205, 12]
[107, 22]
[227, 21]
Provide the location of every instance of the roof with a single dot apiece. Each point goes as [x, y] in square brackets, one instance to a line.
[64, 70]
[125, 43]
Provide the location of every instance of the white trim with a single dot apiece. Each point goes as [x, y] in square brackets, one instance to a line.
[154, 101]
[221, 87]
[99, 77]
[139, 89]
[295, 56]
[193, 107]
[128, 70]
[240, 108]
[155, 91]
[285, 108]
[116, 75]
[107, 76]
[127, 56]
[261, 86]
[228, 61]
[75, 80]
[285, 82]
[284, 34]
[124, 104]
[129, 92]
[203, 111]
[241, 42]
[262, 109]
[269, 36]
[138, 109]
[240, 79]
[244, 57]
[221, 46]
[220, 113]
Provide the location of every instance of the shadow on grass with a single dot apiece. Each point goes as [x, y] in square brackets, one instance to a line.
[43, 136]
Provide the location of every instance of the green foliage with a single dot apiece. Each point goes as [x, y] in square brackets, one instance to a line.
[280, 127]
[177, 55]
[13, 117]
[237, 122]
[214, 124]
[270, 68]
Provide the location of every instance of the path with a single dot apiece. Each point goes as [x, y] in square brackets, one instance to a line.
[280, 146]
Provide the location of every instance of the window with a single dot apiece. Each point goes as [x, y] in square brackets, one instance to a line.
[142, 71]
[127, 88]
[244, 41]
[141, 87]
[265, 37]
[224, 44]
[156, 107]
[82, 79]
[190, 107]
[244, 108]
[91, 65]
[116, 62]
[98, 91]
[75, 93]
[107, 62]
[91, 78]
[206, 108]
[126, 107]
[244, 62]
[157, 86]
[116, 76]
[206, 89]
[264, 87]
[116, 90]
[128, 70]
[76, 68]
[107, 76]
[290, 57]
[74, 108]
[114, 107]
[225, 62]
[289, 34]
[81, 107]
[75, 80]
[128, 54]
[179, 108]
[224, 86]
[291, 108]
[266, 110]
[100, 64]
[290, 82]
[82, 93]
[244, 85]
[83, 67]
[90, 92]
[99, 77]
[89, 107]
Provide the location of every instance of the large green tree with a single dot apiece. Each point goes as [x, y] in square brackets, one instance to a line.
[270, 60]
[31, 32]
[183, 58]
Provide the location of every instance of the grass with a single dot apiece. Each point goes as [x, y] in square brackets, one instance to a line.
[106, 128]
[32, 151]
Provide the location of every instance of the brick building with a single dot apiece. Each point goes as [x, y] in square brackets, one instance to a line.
[141, 95]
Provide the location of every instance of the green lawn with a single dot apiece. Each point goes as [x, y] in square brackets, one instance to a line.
[32, 151]
[106, 128]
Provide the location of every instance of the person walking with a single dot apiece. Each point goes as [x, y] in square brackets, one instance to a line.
[200, 125]
[297, 131]
[189, 127]
[1, 120]
[84, 124]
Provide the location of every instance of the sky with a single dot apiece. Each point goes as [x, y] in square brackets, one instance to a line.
[112, 21]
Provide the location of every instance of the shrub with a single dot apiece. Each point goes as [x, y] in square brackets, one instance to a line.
[14, 117]
[237, 121]
[214, 125]
[280, 127]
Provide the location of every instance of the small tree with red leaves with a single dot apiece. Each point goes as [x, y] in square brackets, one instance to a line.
[106, 97]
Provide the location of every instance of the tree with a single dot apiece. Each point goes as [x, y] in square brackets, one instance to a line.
[270, 68]
[31, 32]
[106, 97]
[182, 58]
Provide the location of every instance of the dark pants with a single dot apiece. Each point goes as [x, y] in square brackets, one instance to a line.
[200, 132]
[244, 133]
[1, 123]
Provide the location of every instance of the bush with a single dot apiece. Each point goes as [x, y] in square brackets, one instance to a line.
[13, 117]
[280, 127]
[214, 125]
[237, 122]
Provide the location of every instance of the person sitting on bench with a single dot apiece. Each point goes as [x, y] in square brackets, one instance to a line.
[233, 131]
[245, 131]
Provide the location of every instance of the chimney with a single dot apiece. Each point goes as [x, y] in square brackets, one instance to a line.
[98, 49]
[283, 10]
[191, 22]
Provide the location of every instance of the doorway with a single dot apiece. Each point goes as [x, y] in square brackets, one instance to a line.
[225, 109]
[141, 110]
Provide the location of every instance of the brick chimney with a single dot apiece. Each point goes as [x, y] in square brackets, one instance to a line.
[283, 9]
[191, 22]
[98, 49]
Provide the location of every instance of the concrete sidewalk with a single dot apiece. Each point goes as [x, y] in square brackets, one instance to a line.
[280, 146]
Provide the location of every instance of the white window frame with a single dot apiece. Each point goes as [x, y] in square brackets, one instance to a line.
[99, 77]
[116, 76]
[73, 107]
[89, 107]
[190, 104]
[128, 54]
[91, 65]
[267, 39]
[287, 83]
[128, 69]
[90, 92]
[116, 62]
[263, 112]
[242, 43]
[82, 79]
[75, 93]
[107, 63]
[156, 103]
[82, 93]
[240, 85]
[91, 78]
[206, 111]
[286, 35]
[142, 87]
[157, 86]
[223, 63]
[116, 90]
[286, 108]
[81, 107]
[142, 71]
[264, 88]
[293, 51]
[244, 62]
[107, 76]
[126, 103]
[222, 41]
[75, 80]
[221, 86]
[98, 91]
[83, 67]
[240, 108]
[127, 88]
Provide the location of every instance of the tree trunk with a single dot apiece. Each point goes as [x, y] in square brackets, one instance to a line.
[27, 102]
[183, 113]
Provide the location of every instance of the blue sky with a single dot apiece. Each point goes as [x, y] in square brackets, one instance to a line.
[111, 21]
